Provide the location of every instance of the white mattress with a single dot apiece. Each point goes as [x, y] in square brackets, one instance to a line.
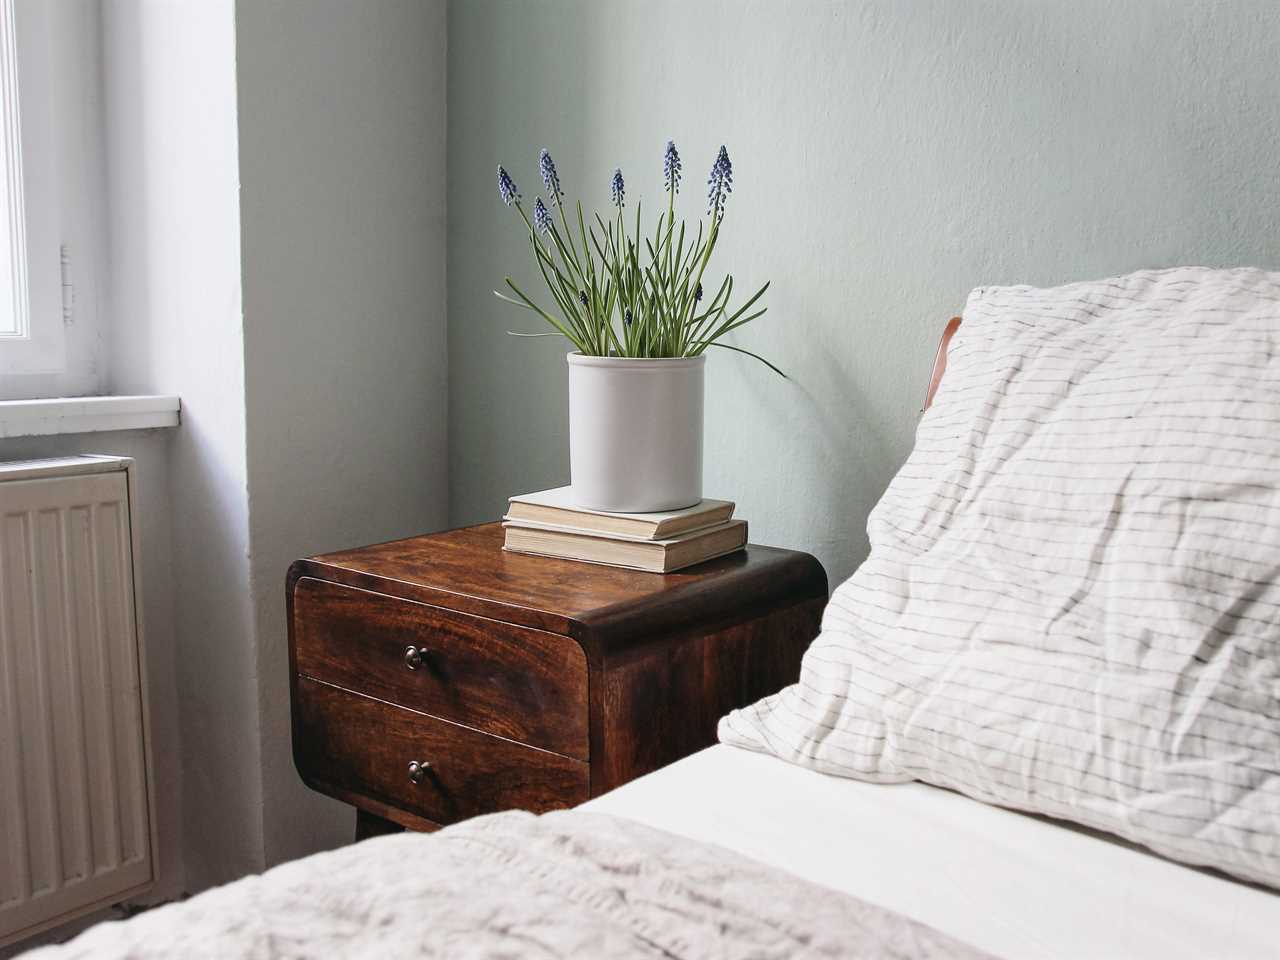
[1011, 884]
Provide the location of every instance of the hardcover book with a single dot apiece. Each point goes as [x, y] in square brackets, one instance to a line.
[655, 556]
[555, 508]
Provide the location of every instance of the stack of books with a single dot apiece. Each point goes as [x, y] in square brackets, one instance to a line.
[549, 524]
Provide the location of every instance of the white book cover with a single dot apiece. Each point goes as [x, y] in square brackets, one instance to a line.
[561, 498]
[630, 538]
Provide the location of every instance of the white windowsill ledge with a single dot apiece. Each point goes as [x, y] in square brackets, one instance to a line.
[40, 418]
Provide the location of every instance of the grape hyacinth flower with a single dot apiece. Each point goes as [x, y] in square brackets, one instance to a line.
[547, 167]
[541, 216]
[507, 188]
[671, 168]
[617, 288]
[618, 188]
[720, 182]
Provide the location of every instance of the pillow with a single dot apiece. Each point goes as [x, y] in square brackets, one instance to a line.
[1072, 601]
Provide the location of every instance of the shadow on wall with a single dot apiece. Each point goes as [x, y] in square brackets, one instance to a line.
[888, 158]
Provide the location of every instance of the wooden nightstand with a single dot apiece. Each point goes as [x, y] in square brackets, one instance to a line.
[437, 678]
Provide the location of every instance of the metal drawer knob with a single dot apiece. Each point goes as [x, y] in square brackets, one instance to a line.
[413, 657]
[418, 770]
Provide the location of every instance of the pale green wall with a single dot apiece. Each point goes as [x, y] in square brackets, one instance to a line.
[888, 157]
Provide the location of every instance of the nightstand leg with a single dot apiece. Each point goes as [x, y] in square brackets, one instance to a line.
[368, 825]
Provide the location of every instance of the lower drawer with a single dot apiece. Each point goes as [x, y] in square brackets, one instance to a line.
[354, 747]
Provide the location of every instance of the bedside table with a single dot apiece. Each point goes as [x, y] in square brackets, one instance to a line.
[438, 678]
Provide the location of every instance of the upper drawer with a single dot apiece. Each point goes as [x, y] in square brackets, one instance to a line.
[510, 681]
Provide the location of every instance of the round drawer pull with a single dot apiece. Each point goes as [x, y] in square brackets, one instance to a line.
[413, 657]
[418, 770]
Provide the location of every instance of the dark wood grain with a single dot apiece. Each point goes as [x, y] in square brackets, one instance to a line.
[466, 570]
[376, 810]
[522, 684]
[540, 651]
[363, 748]
[660, 701]
[940, 360]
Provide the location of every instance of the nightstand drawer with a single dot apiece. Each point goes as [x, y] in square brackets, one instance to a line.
[513, 682]
[355, 747]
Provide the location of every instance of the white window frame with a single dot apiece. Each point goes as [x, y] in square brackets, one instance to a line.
[15, 315]
[26, 114]
[58, 96]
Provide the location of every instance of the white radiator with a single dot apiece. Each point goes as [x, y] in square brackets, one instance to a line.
[76, 811]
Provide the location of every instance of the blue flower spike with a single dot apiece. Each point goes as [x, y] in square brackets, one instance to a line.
[541, 216]
[720, 183]
[550, 178]
[616, 291]
[671, 168]
[507, 188]
[618, 189]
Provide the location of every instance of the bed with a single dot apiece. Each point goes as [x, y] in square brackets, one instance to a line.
[1008, 883]
[807, 832]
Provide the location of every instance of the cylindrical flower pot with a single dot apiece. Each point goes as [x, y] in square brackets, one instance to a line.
[635, 432]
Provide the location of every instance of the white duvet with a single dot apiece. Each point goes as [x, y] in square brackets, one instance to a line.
[569, 884]
[1072, 601]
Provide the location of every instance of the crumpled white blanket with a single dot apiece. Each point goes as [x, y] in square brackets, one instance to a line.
[511, 885]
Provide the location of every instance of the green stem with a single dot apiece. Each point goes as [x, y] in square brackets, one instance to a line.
[725, 346]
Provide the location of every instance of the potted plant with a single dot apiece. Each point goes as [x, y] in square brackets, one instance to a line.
[635, 309]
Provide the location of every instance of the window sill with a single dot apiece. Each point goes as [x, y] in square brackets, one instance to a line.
[42, 418]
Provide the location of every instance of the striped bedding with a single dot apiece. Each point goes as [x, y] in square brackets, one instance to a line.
[1072, 601]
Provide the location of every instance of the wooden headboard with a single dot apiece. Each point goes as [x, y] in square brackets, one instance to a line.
[940, 359]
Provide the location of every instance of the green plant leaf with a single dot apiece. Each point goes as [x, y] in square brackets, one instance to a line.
[726, 346]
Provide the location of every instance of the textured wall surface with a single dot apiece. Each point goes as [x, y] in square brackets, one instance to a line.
[888, 157]
[342, 120]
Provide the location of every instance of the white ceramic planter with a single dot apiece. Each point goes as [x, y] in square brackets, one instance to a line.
[635, 432]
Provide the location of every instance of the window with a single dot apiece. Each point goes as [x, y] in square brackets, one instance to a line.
[50, 197]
